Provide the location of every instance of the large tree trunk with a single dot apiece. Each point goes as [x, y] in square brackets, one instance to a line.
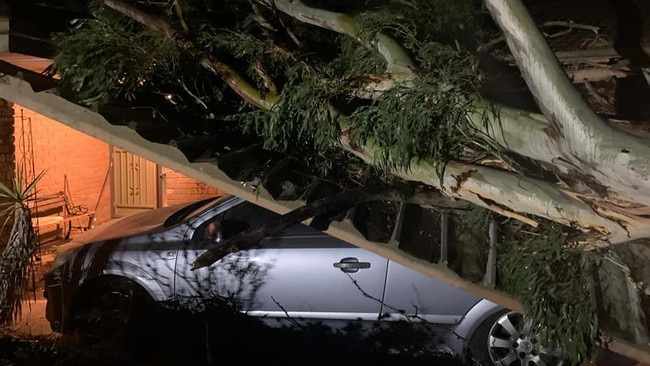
[612, 157]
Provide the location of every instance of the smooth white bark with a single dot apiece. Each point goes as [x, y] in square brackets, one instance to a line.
[614, 158]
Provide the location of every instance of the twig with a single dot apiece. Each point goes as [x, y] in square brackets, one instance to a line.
[179, 11]
[260, 19]
[415, 316]
[268, 82]
[570, 24]
[196, 98]
[592, 92]
[286, 313]
[290, 33]
[554, 23]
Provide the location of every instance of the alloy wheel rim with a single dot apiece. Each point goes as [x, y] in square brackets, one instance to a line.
[511, 343]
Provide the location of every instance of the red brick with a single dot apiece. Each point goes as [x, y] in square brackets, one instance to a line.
[65, 152]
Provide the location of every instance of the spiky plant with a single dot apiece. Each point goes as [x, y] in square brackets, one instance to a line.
[17, 255]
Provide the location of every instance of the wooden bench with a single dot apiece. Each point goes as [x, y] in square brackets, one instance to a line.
[56, 211]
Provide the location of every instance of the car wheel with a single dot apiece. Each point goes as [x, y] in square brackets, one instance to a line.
[109, 309]
[505, 339]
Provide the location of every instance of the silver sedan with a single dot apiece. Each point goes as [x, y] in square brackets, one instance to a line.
[299, 274]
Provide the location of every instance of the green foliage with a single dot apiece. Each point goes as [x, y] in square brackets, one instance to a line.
[478, 218]
[16, 256]
[301, 121]
[16, 197]
[445, 20]
[110, 56]
[552, 277]
[355, 59]
[427, 120]
[18, 194]
[249, 53]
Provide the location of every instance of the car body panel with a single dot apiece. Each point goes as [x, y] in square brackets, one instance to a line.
[413, 296]
[299, 273]
[290, 274]
[292, 277]
[150, 257]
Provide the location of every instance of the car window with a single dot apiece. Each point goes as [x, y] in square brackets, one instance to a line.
[235, 220]
[242, 217]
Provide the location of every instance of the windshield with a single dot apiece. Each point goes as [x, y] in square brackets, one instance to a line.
[192, 210]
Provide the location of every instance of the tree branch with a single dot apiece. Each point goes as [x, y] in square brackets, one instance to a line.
[228, 74]
[398, 61]
[512, 195]
[563, 142]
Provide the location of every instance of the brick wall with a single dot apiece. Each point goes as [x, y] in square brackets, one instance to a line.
[7, 150]
[7, 157]
[181, 188]
[65, 154]
[83, 161]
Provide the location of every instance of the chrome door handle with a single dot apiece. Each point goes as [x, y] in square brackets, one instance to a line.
[351, 265]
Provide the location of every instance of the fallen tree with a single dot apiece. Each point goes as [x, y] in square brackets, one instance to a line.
[610, 164]
[389, 93]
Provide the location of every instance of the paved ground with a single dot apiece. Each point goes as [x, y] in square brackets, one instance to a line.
[33, 321]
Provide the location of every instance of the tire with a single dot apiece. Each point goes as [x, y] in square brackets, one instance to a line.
[110, 309]
[504, 340]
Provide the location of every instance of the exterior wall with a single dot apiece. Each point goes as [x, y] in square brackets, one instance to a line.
[180, 188]
[7, 156]
[7, 147]
[65, 154]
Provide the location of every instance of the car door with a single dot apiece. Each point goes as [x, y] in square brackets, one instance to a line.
[413, 296]
[300, 273]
